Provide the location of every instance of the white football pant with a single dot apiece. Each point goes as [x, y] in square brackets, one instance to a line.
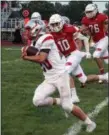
[45, 89]
[101, 49]
[73, 65]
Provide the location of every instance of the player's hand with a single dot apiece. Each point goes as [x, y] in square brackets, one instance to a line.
[88, 55]
[23, 55]
[23, 52]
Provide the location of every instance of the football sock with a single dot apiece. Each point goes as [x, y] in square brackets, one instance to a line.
[88, 121]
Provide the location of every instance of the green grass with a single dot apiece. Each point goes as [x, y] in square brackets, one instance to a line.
[20, 117]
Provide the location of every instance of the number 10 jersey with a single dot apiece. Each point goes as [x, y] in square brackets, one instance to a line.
[64, 39]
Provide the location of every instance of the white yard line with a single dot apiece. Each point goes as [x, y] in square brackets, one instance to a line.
[12, 61]
[12, 49]
[76, 128]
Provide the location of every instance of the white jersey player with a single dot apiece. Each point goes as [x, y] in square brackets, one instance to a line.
[53, 66]
[55, 74]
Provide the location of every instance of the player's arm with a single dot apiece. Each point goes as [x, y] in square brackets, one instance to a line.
[85, 30]
[85, 40]
[106, 23]
[40, 58]
[41, 55]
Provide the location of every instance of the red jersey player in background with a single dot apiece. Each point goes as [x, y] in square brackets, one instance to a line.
[97, 26]
[64, 35]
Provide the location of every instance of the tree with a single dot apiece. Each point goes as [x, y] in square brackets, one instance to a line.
[106, 11]
[76, 10]
[58, 7]
[45, 8]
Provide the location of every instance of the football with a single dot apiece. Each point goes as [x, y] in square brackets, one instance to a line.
[30, 50]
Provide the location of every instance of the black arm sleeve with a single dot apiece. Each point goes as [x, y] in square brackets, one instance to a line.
[45, 50]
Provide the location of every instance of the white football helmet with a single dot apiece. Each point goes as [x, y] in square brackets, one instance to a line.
[56, 23]
[36, 16]
[91, 10]
[34, 29]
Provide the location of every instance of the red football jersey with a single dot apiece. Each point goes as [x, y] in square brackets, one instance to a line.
[64, 39]
[96, 26]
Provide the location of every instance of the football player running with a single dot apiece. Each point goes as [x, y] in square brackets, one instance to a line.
[56, 77]
[64, 37]
[96, 25]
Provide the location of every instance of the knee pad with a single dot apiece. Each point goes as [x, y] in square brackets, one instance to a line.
[96, 54]
[69, 68]
[106, 61]
[68, 107]
[37, 102]
[83, 78]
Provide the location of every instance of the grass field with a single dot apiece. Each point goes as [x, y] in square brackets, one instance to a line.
[20, 117]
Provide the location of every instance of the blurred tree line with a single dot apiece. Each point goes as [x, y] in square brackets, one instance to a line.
[106, 11]
[73, 9]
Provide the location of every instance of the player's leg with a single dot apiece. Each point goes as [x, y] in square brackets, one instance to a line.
[75, 98]
[101, 50]
[105, 56]
[42, 95]
[100, 65]
[71, 64]
[66, 102]
[79, 73]
[91, 78]
[69, 68]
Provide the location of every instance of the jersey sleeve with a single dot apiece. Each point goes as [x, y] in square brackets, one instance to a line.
[70, 28]
[84, 21]
[104, 18]
[47, 42]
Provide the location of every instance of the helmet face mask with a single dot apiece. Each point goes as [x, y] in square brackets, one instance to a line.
[56, 27]
[56, 23]
[91, 10]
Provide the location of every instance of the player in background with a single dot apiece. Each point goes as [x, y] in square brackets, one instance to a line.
[56, 77]
[75, 98]
[95, 24]
[64, 37]
[81, 39]
[65, 19]
[36, 17]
